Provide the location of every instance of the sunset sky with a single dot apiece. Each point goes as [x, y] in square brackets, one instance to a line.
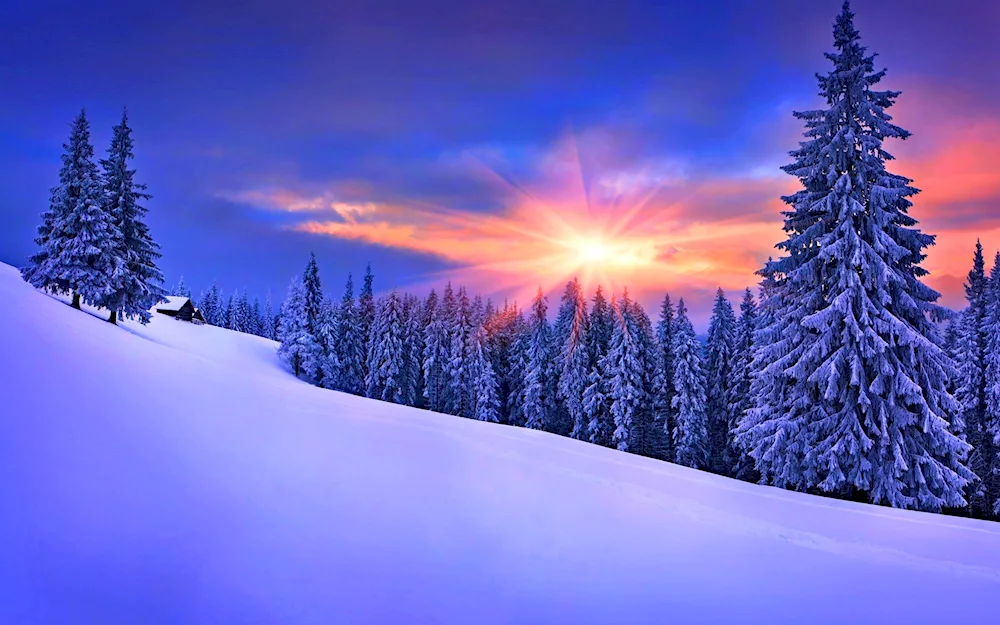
[501, 145]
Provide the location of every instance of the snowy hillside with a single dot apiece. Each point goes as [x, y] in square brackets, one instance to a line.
[175, 474]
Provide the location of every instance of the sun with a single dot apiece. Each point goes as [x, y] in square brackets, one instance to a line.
[592, 250]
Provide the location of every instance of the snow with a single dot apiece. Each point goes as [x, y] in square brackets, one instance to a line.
[267, 500]
[173, 303]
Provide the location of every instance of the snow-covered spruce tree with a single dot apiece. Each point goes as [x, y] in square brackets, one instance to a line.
[689, 403]
[485, 390]
[298, 349]
[502, 329]
[596, 402]
[77, 240]
[180, 288]
[267, 319]
[255, 318]
[350, 345]
[139, 285]
[230, 309]
[970, 390]
[741, 376]
[857, 373]
[973, 382]
[573, 357]
[413, 350]
[647, 429]
[437, 348]
[457, 373]
[328, 335]
[385, 353]
[537, 374]
[718, 375]
[664, 392]
[624, 370]
[313, 288]
[209, 305]
[985, 459]
[366, 313]
[518, 372]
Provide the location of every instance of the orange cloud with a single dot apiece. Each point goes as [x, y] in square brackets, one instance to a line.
[652, 228]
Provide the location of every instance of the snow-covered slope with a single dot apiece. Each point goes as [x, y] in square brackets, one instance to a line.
[176, 474]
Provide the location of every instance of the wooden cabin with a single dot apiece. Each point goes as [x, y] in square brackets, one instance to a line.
[179, 307]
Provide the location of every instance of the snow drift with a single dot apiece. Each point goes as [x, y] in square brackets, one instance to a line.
[176, 474]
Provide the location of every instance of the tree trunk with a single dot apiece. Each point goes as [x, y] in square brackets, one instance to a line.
[76, 301]
[113, 319]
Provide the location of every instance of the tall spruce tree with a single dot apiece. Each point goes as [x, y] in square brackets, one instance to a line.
[856, 398]
[985, 457]
[691, 436]
[366, 310]
[719, 355]
[298, 349]
[139, 284]
[209, 305]
[328, 335]
[624, 371]
[384, 379]
[78, 252]
[413, 350]
[437, 349]
[267, 319]
[971, 356]
[181, 288]
[664, 392]
[350, 345]
[457, 373]
[538, 398]
[596, 397]
[741, 377]
[573, 360]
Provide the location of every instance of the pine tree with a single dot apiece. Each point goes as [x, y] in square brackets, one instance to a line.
[327, 337]
[624, 369]
[689, 403]
[502, 330]
[77, 240]
[366, 312]
[971, 361]
[437, 349]
[181, 289]
[739, 387]
[209, 305]
[664, 392]
[298, 349]
[517, 374]
[139, 284]
[456, 371]
[537, 378]
[228, 310]
[255, 318]
[267, 320]
[985, 457]
[485, 390]
[413, 350]
[855, 397]
[718, 373]
[350, 345]
[385, 351]
[596, 401]
[572, 362]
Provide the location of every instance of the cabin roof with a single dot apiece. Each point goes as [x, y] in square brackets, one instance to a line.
[173, 304]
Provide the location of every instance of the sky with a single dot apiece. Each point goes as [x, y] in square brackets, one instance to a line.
[504, 146]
